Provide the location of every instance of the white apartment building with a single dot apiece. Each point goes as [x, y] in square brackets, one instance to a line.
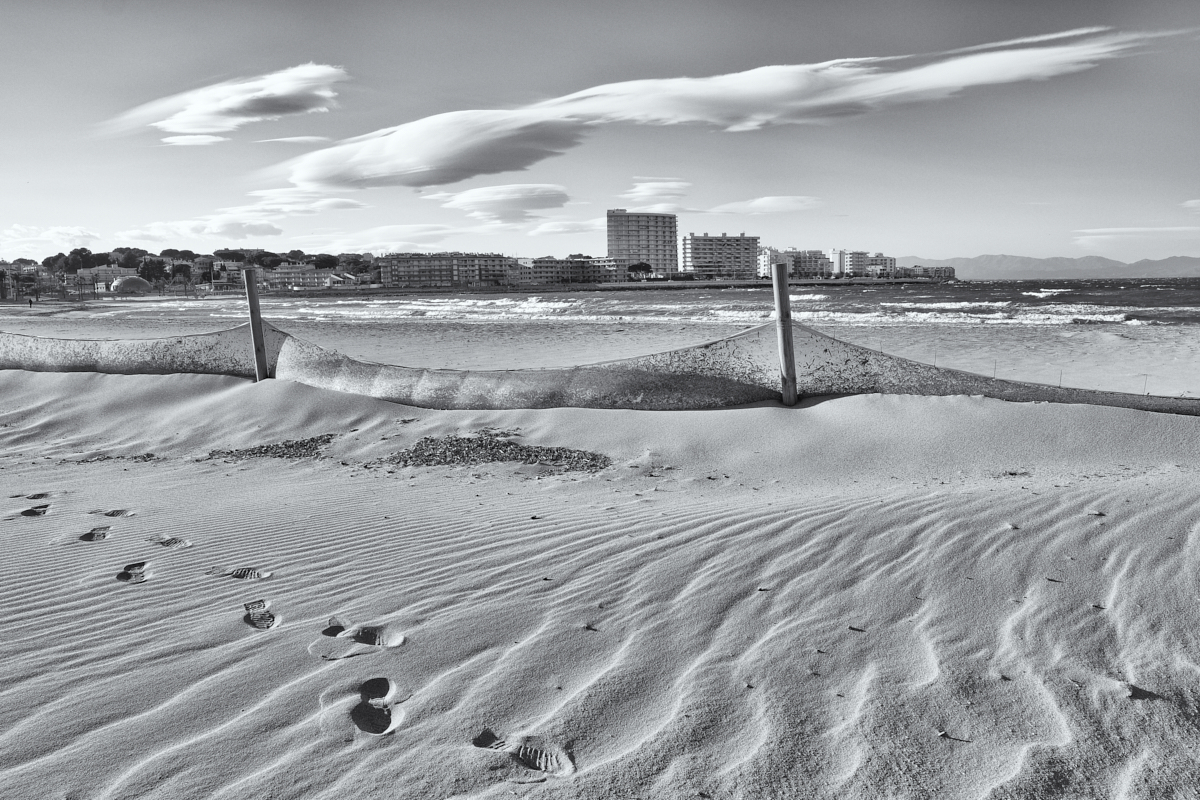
[769, 256]
[643, 238]
[708, 257]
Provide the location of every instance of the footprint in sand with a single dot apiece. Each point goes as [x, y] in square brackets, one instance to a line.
[531, 752]
[376, 713]
[241, 573]
[259, 617]
[133, 573]
[170, 541]
[96, 534]
[116, 512]
[36, 511]
[377, 638]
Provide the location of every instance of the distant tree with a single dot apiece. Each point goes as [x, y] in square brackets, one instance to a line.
[266, 259]
[296, 255]
[127, 257]
[51, 262]
[639, 271]
[75, 260]
[230, 255]
[152, 269]
[578, 257]
[181, 271]
[170, 252]
[187, 255]
[99, 260]
[325, 261]
[24, 262]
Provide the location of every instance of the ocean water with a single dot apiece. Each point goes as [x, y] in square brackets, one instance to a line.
[1122, 335]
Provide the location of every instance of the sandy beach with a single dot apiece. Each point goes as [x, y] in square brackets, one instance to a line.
[872, 596]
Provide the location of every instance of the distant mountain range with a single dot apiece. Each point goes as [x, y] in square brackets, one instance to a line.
[1002, 267]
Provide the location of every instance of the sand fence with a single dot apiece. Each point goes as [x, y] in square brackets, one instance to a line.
[736, 370]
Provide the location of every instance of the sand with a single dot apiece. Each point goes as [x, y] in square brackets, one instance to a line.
[873, 596]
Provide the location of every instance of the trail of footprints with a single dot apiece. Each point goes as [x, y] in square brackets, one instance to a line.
[258, 614]
[376, 713]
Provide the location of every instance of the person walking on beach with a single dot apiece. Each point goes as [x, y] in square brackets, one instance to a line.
[31, 302]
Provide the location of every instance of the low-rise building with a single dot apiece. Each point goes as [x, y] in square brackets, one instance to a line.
[811, 264]
[446, 270]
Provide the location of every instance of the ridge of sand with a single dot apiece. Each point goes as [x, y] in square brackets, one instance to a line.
[872, 596]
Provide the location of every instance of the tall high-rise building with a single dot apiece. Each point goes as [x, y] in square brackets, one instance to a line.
[643, 238]
[721, 256]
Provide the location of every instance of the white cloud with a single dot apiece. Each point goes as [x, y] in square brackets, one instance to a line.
[385, 238]
[1099, 237]
[219, 227]
[656, 189]
[296, 139]
[193, 140]
[556, 227]
[437, 150]
[451, 147]
[226, 106]
[241, 222]
[508, 203]
[28, 241]
[1192, 205]
[777, 204]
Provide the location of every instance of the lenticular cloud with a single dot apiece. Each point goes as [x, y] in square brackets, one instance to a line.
[226, 106]
[455, 146]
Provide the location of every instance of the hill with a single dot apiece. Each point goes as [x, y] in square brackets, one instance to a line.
[993, 267]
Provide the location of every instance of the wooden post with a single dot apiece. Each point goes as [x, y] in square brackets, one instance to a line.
[783, 327]
[249, 277]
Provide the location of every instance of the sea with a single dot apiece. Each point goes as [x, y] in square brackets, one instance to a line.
[1129, 335]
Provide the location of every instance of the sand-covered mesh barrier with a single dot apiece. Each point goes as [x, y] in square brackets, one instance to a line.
[733, 371]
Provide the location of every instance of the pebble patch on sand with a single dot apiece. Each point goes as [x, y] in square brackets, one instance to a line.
[489, 446]
[292, 448]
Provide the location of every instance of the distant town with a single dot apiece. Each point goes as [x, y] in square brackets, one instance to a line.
[641, 247]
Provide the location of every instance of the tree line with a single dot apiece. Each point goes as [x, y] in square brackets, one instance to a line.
[173, 263]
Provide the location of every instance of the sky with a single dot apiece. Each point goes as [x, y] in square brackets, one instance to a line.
[937, 128]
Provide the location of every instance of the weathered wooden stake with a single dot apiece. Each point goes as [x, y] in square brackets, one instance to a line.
[783, 327]
[250, 278]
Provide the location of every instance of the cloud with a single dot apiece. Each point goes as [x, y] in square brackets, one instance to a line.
[296, 140]
[446, 148]
[241, 222]
[1098, 237]
[1192, 205]
[193, 140]
[776, 204]
[227, 106]
[508, 204]
[385, 238]
[224, 228]
[28, 241]
[661, 189]
[458, 145]
[565, 226]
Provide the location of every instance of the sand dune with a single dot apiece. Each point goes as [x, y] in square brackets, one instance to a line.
[873, 596]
